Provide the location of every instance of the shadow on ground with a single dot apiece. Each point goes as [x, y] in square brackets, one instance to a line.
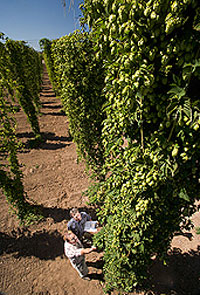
[58, 106]
[48, 94]
[181, 275]
[22, 243]
[96, 276]
[60, 113]
[43, 144]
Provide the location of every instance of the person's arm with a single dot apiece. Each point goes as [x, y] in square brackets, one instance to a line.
[73, 226]
[85, 216]
[88, 250]
[89, 218]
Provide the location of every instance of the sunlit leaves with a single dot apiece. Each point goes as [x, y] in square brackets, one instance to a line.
[20, 79]
[150, 52]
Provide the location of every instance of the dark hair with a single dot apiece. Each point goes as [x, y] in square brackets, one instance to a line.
[73, 211]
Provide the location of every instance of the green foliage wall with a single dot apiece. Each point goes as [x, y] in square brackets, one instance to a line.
[151, 131]
[20, 79]
[45, 45]
[10, 174]
[81, 79]
[26, 71]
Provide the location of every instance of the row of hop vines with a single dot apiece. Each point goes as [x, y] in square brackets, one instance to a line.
[131, 90]
[20, 82]
[79, 79]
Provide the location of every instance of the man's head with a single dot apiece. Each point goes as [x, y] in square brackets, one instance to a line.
[70, 237]
[75, 214]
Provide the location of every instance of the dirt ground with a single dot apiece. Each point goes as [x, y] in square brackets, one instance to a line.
[31, 258]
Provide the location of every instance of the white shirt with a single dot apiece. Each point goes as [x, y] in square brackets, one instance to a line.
[73, 252]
